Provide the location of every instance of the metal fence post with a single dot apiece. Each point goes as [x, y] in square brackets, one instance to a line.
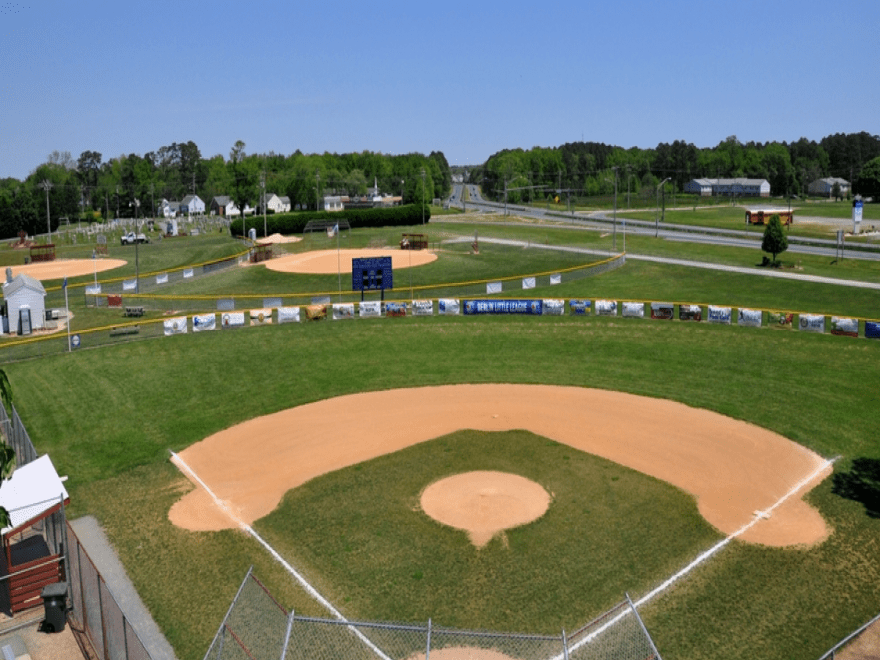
[564, 645]
[226, 618]
[287, 635]
[644, 629]
[428, 643]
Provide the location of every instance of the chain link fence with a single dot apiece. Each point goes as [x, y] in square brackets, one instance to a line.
[95, 610]
[257, 627]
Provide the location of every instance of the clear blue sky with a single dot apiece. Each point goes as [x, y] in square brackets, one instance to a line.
[467, 79]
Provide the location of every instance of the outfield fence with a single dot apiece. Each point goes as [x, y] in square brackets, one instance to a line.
[257, 627]
[851, 639]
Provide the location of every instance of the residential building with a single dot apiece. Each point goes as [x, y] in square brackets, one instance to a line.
[192, 205]
[740, 187]
[824, 187]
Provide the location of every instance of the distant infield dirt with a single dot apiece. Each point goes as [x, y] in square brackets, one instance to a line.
[732, 468]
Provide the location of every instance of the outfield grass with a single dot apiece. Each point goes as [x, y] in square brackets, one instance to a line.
[108, 417]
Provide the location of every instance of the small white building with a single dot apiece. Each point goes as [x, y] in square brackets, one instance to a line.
[192, 205]
[333, 203]
[277, 204]
[25, 300]
[823, 187]
[168, 209]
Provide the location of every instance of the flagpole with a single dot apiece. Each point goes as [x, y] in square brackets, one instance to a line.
[67, 316]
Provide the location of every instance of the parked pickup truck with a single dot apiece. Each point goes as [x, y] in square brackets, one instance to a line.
[131, 238]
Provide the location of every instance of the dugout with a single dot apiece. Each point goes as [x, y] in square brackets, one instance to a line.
[261, 252]
[414, 242]
[33, 544]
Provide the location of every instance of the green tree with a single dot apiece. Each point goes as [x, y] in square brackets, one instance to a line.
[7, 453]
[774, 240]
[868, 183]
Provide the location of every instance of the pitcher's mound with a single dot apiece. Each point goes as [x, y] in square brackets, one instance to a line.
[327, 262]
[484, 503]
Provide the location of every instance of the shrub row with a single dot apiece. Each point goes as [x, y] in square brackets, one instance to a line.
[295, 223]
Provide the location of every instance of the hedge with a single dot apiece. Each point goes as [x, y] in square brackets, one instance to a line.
[295, 223]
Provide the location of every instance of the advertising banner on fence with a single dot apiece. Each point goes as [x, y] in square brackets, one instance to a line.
[232, 320]
[842, 326]
[225, 305]
[261, 316]
[129, 285]
[395, 309]
[553, 307]
[202, 322]
[370, 309]
[663, 311]
[719, 314]
[606, 307]
[811, 322]
[872, 329]
[528, 283]
[288, 314]
[187, 273]
[423, 308]
[579, 307]
[93, 290]
[502, 307]
[162, 279]
[634, 309]
[175, 326]
[780, 319]
[316, 312]
[449, 306]
[750, 317]
[343, 311]
[493, 287]
[556, 278]
[271, 302]
[690, 313]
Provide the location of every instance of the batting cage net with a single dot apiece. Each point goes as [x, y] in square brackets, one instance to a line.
[257, 627]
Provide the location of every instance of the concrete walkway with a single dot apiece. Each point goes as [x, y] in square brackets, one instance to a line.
[99, 550]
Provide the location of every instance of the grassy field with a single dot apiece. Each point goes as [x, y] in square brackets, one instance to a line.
[109, 416]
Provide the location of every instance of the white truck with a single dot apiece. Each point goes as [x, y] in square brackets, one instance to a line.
[131, 238]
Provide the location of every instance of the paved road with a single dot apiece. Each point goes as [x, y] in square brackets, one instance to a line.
[604, 221]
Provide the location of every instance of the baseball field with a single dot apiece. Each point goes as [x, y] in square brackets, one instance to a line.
[652, 441]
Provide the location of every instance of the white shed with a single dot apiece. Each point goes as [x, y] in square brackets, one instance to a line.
[25, 300]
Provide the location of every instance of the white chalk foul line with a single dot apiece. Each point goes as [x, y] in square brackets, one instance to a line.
[177, 460]
[759, 515]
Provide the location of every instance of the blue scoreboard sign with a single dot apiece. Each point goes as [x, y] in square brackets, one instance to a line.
[371, 273]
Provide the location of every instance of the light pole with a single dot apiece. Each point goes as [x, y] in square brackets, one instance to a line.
[317, 186]
[657, 209]
[614, 233]
[47, 185]
[423, 195]
[263, 186]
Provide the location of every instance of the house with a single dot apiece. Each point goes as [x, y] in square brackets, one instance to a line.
[168, 209]
[824, 187]
[25, 300]
[223, 205]
[334, 203]
[277, 204]
[192, 205]
[724, 187]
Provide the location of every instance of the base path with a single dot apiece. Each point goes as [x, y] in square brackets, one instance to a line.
[61, 268]
[327, 262]
[732, 468]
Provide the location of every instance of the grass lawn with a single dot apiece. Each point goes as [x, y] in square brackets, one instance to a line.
[109, 416]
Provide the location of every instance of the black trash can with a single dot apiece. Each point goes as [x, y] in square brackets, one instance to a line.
[55, 605]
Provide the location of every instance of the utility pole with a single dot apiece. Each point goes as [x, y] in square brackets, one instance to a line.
[152, 200]
[117, 201]
[615, 211]
[317, 187]
[423, 196]
[263, 186]
[47, 185]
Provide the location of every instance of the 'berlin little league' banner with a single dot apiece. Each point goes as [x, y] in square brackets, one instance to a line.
[579, 307]
[532, 307]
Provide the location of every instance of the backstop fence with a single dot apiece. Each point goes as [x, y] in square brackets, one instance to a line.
[95, 610]
[257, 627]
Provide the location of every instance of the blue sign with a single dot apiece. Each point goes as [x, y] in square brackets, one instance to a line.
[503, 307]
[368, 274]
[74, 341]
[872, 330]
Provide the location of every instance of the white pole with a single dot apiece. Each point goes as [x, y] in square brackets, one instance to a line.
[67, 315]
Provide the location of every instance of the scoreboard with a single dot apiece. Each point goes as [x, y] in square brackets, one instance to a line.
[370, 274]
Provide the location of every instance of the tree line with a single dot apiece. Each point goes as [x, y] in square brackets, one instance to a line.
[93, 189]
[591, 168]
